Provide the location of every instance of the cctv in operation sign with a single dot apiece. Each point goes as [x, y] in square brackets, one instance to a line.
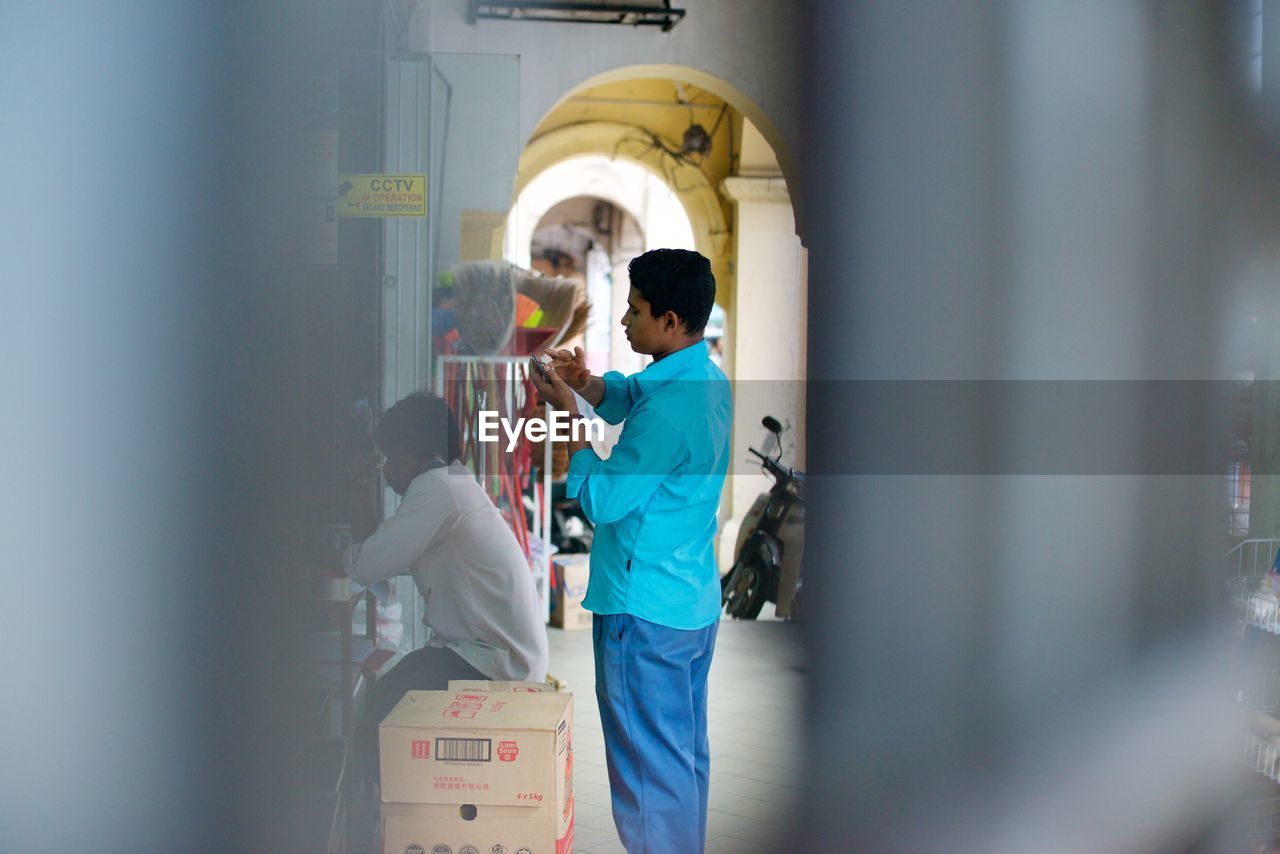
[382, 195]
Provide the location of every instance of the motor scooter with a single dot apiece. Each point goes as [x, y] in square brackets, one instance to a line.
[770, 542]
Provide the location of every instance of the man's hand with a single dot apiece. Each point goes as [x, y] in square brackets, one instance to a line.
[553, 389]
[556, 392]
[571, 366]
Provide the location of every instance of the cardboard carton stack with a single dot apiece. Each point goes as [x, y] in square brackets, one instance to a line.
[572, 572]
[475, 770]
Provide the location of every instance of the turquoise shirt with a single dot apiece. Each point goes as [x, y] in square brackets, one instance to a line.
[654, 500]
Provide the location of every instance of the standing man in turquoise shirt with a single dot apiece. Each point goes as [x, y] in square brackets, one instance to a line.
[655, 588]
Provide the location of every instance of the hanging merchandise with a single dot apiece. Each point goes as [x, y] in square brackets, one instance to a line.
[500, 386]
[485, 295]
[558, 300]
[487, 308]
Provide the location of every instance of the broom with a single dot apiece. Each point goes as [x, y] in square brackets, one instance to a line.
[556, 296]
[576, 326]
[485, 294]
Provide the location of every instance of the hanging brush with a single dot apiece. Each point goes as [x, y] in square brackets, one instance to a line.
[485, 297]
[576, 326]
[555, 296]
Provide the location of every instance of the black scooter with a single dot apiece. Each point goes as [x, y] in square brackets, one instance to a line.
[771, 540]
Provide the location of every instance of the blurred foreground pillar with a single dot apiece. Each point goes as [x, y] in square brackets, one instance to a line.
[1010, 599]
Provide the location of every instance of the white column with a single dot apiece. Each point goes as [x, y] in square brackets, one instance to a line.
[766, 336]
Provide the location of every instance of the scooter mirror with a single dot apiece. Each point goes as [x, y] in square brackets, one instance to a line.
[772, 445]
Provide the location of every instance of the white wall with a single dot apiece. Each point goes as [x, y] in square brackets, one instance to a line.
[766, 338]
[628, 186]
[756, 157]
[632, 188]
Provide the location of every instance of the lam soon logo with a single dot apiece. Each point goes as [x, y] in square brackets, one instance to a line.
[508, 751]
[421, 749]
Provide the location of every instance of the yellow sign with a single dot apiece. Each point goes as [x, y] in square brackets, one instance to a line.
[382, 195]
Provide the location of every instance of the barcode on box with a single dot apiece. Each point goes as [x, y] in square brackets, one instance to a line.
[463, 750]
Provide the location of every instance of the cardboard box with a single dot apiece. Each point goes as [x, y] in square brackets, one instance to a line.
[428, 828]
[500, 687]
[487, 771]
[474, 747]
[572, 572]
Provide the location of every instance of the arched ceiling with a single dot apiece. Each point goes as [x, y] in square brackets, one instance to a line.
[660, 110]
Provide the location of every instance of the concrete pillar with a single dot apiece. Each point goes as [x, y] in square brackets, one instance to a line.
[766, 336]
[1264, 502]
[1014, 204]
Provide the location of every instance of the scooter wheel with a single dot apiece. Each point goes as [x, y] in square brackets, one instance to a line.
[744, 591]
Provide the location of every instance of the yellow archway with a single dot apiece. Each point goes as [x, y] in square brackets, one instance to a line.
[619, 114]
[716, 86]
[711, 233]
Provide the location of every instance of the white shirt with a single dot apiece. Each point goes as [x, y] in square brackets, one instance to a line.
[480, 596]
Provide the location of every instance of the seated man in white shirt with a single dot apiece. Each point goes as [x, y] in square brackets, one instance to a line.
[483, 615]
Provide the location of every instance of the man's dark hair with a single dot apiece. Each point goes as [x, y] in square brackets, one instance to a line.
[676, 280]
[423, 425]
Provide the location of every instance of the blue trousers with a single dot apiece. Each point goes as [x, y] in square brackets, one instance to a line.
[651, 686]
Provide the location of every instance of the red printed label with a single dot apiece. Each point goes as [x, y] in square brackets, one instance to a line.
[421, 750]
[471, 698]
[461, 708]
[508, 751]
[458, 713]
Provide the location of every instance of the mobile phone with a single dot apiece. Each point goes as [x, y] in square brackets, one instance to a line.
[540, 368]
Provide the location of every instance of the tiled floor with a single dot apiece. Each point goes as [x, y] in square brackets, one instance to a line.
[753, 714]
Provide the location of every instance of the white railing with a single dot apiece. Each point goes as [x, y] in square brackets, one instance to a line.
[1254, 606]
[1257, 604]
[1251, 557]
[1262, 756]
